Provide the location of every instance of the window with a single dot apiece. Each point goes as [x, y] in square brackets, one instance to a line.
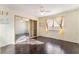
[55, 23]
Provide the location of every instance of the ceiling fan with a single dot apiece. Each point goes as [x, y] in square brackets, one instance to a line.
[43, 10]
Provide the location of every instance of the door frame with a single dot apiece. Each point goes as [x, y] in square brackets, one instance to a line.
[15, 26]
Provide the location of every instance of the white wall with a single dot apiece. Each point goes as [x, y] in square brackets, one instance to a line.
[21, 26]
[78, 27]
[7, 31]
[42, 32]
[71, 26]
[71, 19]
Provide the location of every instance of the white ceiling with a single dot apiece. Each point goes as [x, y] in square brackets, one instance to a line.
[34, 9]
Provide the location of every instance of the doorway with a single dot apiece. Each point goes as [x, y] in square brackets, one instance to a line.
[33, 28]
[21, 25]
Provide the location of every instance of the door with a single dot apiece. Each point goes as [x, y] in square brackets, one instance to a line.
[33, 28]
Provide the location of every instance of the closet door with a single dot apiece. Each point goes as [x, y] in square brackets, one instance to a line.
[33, 28]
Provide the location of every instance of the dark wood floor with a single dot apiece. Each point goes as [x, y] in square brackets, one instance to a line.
[50, 46]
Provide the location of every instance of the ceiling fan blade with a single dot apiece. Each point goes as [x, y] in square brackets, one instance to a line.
[42, 9]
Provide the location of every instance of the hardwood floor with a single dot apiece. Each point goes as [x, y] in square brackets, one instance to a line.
[50, 46]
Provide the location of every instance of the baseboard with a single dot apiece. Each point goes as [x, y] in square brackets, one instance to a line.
[58, 39]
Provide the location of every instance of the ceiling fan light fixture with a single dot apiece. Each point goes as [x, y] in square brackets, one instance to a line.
[42, 13]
